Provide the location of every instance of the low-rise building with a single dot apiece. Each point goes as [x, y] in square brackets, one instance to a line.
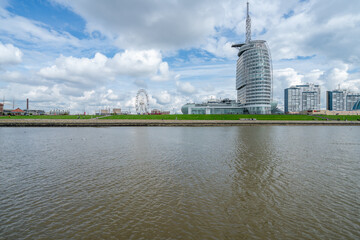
[1, 109]
[117, 111]
[104, 112]
[17, 112]
[7, 112]
[34, 112]
[59, 112]
[159, 112]
[224, 106]
[328, 112]
[155, 112]
[213, 106]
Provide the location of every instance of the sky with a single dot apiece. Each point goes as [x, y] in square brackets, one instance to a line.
[86, 55]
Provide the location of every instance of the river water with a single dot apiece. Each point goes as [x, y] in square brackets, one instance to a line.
[247, 182]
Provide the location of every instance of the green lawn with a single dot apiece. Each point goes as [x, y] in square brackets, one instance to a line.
[195, 117]
[215, 117]
[50, 117]
[343, 117]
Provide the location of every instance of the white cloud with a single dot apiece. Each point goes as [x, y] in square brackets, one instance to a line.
[143, 23]
[221, 48]
[287, 76]
[324, 28]
[163, 73]
[130, 103]
[136, 63]
[77, 70]
[313, 76]
[9, 76]
[32, 31]
[340, 76]
[335, 76]
[352, 85]
[100, 69]
[110, 95]
[163, 98]
[185, 87]
[327, 28]
[10, 54]
[42, 93]
[140, 83]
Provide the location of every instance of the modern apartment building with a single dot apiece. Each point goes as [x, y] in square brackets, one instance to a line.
[253, 74]
[341, 100]
[302, 97]
[351, 99]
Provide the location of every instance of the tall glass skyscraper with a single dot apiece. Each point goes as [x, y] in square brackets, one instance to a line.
[253, 74]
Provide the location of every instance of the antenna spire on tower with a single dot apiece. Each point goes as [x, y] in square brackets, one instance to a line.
[248, 25]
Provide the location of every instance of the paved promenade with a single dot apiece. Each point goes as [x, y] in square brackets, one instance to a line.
[164, 123]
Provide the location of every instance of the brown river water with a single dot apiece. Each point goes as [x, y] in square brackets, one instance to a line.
[246, 182]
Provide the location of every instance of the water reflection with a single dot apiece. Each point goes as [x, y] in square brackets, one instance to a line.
[273, 182]
[253, 178]
[260, 182]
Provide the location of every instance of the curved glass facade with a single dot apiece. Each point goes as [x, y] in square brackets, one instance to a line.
[356, 106]
[185, 109]
[254, 77]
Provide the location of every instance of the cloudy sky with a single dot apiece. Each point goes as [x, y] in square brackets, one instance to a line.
[84, 55]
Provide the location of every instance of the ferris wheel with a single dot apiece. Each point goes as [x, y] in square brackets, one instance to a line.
[142, 102]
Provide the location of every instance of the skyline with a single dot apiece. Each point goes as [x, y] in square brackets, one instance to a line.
[66, 54]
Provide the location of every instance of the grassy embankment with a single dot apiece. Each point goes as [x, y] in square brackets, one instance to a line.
[343, 117]
[216, 117]
[50, 117]
[197, 117]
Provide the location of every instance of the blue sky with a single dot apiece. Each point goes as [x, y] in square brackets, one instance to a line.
[90, 54]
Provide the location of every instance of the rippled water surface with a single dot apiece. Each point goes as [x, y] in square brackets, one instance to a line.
[250, 182]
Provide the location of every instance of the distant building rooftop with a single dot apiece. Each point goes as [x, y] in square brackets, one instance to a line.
[18, 110]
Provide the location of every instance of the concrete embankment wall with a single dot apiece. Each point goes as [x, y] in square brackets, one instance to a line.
[125, 122]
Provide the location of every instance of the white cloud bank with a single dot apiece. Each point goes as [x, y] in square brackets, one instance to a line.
[101, 69]
[10, 54]
[185, 88]
[150, 24]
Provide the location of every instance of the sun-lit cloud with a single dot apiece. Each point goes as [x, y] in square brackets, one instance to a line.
[101, 69]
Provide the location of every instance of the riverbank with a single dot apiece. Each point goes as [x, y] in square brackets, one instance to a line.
[204, 117]
[164, 123]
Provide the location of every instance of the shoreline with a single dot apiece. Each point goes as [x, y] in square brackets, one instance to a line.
[159, 123]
